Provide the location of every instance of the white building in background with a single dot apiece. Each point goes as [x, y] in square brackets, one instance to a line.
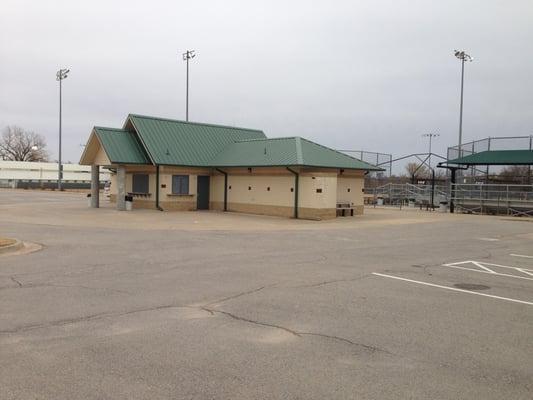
[43, 172]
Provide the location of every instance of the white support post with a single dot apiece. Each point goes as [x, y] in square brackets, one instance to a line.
[121, 188]
[95, 186]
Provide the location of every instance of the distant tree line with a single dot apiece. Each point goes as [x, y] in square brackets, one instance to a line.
[17, 144]
[513, 174]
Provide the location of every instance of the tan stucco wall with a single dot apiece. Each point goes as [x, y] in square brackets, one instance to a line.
[354, 185]
[167, 200]
[101, 157]
[279, 200]
[253, 189]
[262, 209]
[310, 183]
[216, 190]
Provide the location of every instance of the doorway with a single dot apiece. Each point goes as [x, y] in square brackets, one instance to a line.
[202, 193]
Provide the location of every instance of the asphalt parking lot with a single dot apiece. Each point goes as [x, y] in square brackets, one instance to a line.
[150, 305]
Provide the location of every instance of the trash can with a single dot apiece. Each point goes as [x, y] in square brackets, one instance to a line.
[129, 203]
[380, 201]
[443, 206]
[89, 200]
[411, 204]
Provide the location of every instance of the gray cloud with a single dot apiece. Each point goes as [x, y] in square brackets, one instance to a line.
[371, 75]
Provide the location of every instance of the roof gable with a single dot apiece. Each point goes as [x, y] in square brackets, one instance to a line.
[120, 146]
[173, 142]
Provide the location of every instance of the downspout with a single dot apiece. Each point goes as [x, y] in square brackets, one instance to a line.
[296, 179]
[157, 188]
[225, 188]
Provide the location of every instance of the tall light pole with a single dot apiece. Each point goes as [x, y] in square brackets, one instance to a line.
[186, 57]
[430, 136]
[60, 75]
[461, 55]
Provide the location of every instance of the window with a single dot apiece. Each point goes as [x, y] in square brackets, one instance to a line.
[180, 184]
[140, 183]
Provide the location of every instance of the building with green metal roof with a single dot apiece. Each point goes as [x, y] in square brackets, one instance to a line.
[169, 164]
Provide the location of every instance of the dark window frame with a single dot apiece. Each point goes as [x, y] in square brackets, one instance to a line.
[140, 183]
[180, 184]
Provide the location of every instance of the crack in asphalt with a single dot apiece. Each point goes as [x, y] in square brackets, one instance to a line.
[90, 317]
[239, 295]
[37, 285]
[251, 321]
[370, 348]
[205, 308]
[324, 283]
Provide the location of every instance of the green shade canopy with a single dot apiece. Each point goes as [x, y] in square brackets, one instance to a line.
[496, 157]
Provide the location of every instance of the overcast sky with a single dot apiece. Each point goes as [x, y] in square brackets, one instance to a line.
[371, 75]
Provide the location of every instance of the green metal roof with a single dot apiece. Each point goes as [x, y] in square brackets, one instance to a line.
[173, 142]
[289, 151]
[121, 146]
[150, 140]
[496, 157]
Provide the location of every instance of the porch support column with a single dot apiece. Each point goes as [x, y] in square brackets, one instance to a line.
[95, 186]
[121, 188]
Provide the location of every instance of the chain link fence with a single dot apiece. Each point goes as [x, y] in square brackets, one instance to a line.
[382, 160]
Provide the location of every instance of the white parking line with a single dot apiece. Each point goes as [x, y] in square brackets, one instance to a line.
[480, 266]
[453, 289]
[525, 271]
[520, 255]
[484, 266]
[491, 272]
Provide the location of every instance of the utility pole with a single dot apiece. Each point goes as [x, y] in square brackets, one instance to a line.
[461, 55]
[430, 136]
[60, 75]
[189, 54]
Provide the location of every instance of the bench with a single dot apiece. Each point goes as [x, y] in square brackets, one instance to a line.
[343, 206]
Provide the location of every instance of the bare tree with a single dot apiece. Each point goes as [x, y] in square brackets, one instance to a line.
[520, 174]
[414, 169]
[16, 144]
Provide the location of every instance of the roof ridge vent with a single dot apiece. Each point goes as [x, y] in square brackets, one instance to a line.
[299, 155]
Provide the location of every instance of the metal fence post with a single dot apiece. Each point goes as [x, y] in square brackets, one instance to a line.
[507, 202]
[487, 177]
[529, 166]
